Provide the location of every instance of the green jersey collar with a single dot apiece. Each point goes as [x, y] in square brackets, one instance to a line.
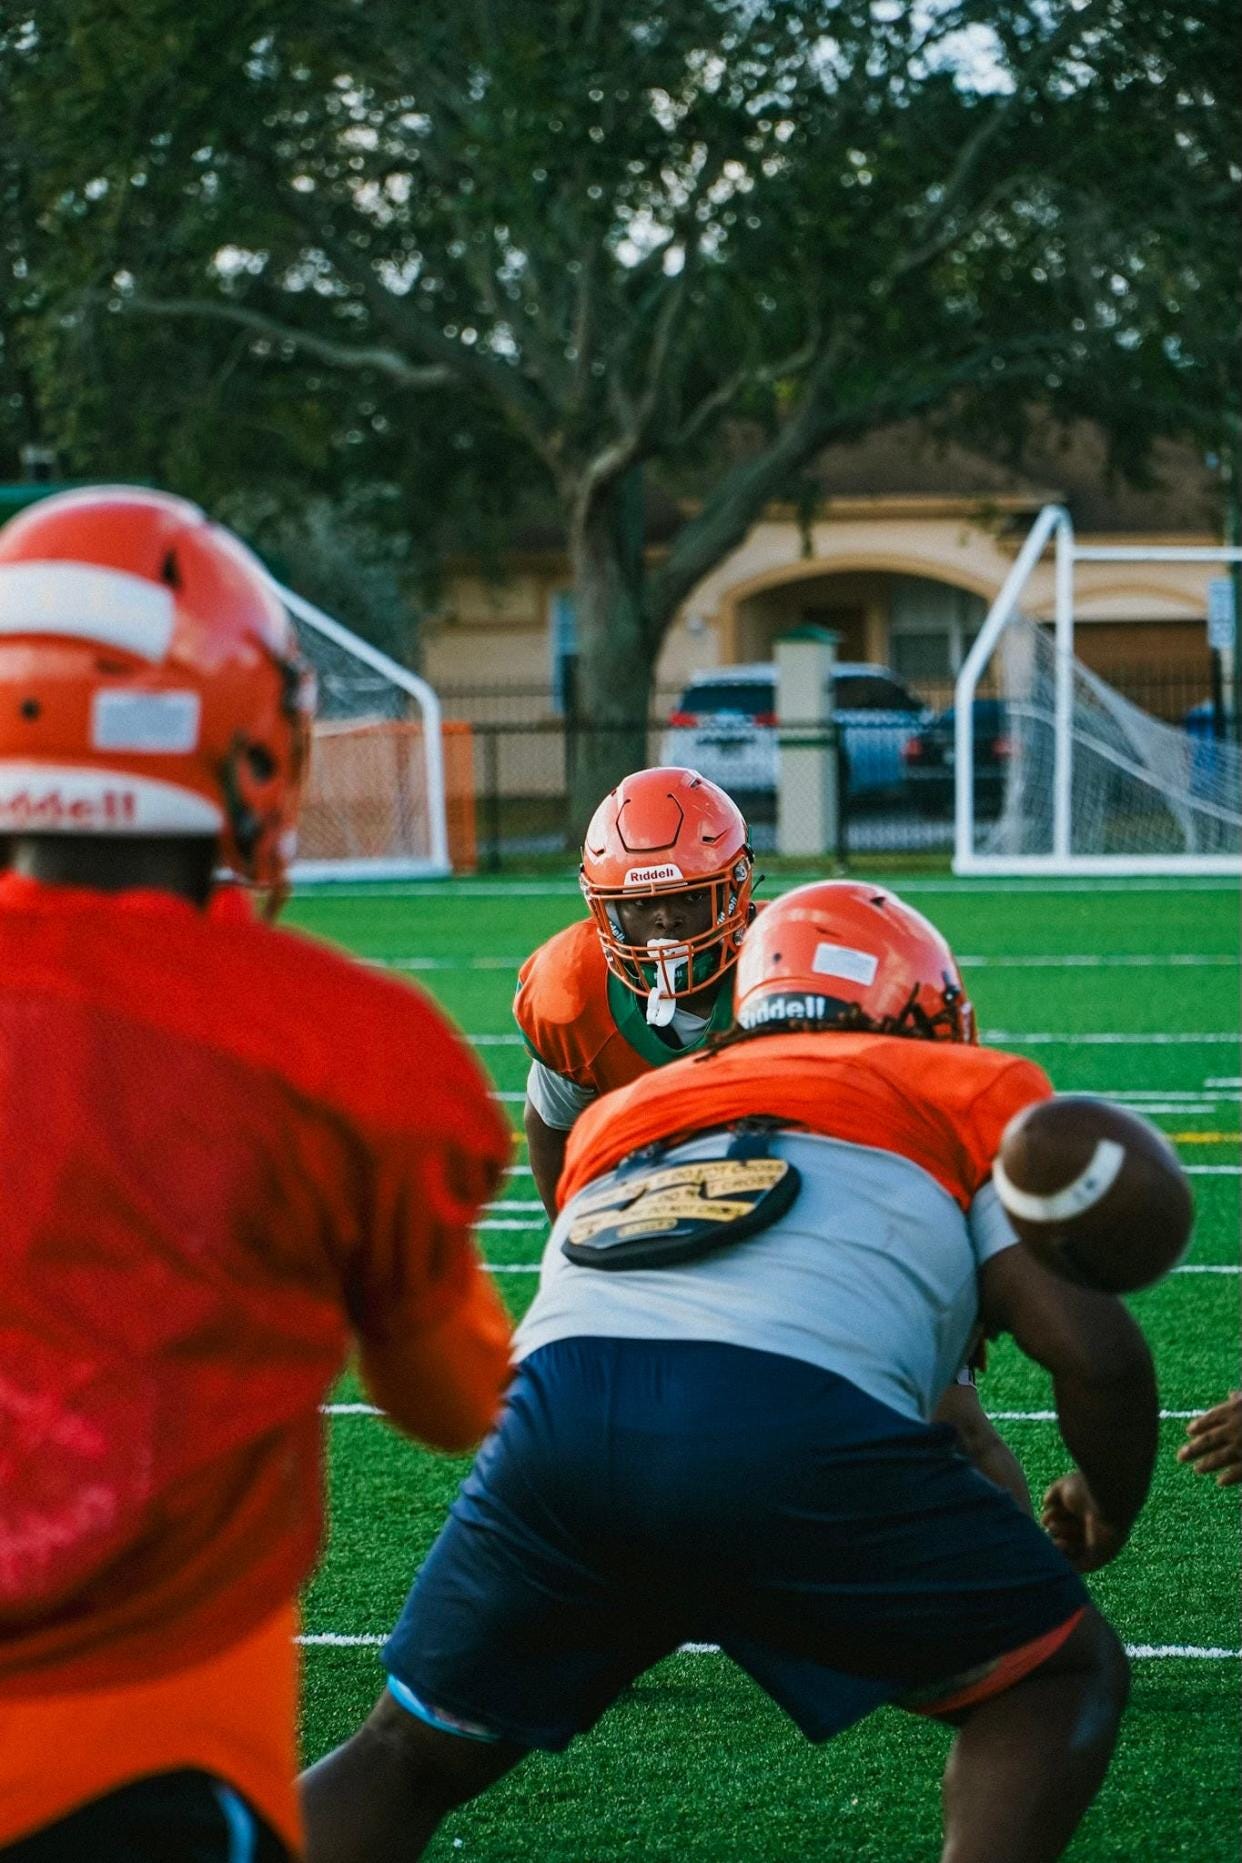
[627, 1012]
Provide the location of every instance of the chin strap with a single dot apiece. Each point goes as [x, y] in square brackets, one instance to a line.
[668, 958]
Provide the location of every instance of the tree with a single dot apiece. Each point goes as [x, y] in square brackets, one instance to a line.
[622, 227]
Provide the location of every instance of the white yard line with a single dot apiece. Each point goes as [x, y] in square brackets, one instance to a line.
[948, 886]
[997, 1416]
[1212, 1170]
[1091, 960]
[1074, 960]
[1006, 1037]
[532, 1267]
[1142, 1652]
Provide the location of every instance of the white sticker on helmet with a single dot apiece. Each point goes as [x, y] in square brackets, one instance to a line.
[654, 876]
[83, 602]
[840, 960]
[44, 798]
[154, 722]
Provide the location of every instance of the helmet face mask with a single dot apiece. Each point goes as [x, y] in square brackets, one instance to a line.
[667, 833]
[150, 682]
[841, 955]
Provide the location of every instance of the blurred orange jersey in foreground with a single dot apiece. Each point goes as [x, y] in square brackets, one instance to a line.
[223, 1150]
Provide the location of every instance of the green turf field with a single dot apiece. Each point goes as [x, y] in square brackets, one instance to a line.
[1128, 989]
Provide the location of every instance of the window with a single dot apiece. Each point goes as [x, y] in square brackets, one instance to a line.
[871, 692]
[749, 697]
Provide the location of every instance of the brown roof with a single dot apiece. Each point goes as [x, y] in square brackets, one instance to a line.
[1056, 464]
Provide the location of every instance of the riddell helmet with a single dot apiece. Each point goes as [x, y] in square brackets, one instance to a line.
[150, 681]
[840, 954]
[669, 830]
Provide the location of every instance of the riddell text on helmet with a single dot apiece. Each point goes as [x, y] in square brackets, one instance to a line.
[791, 1009]
[654, 876]
[52, 809]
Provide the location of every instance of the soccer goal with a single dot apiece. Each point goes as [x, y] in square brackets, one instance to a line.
[376, 803]
[1093, 784]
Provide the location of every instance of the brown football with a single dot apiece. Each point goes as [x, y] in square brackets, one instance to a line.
[1095, 1192]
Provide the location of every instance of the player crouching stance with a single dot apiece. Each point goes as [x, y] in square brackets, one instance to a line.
[215, 1168]
[770, 1260]
[667, 873]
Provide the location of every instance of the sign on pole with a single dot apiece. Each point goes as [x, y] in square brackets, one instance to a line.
[1222, 617]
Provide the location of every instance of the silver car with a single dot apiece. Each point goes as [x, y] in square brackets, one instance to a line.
[724, 726]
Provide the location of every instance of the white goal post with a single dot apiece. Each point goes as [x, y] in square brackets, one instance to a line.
[1093, 785]
[375, 805]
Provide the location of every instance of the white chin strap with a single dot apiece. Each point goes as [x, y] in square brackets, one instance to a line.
[669, 959]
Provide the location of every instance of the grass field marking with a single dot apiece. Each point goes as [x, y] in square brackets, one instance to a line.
[506, 1222]
[1094, 960]
[997, 1416]
[1141, 1652]
[466, 888]
[451, 963]
[1205, 1138]
[516, 1205]
[1196, 1170]
[1078, 960]
[1116, 1039]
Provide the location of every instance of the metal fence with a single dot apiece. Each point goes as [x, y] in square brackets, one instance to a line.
[895, 775]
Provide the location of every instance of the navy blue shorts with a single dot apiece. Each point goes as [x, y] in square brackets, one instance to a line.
[639, 1494]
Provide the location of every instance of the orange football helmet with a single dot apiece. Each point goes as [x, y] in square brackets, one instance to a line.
[150, 681]
[841, 954]
[669, 830]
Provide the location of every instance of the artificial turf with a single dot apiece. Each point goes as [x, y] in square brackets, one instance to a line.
[694, 1762]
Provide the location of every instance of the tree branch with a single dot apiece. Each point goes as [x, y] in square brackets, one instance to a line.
[938, 233]
[741, 496]
[341, 355]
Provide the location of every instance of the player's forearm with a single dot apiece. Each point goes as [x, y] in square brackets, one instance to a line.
[960, 1407]
[546, 1150]
[444, 1383]
[1110, 1426]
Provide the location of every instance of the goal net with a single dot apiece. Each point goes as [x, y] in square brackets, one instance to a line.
[390, 792]
[1140, 788]
[1089, 783]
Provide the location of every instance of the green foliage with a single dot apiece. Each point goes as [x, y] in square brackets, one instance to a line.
[473, 251]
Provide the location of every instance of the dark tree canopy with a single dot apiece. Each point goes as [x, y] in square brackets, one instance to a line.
[480, 241]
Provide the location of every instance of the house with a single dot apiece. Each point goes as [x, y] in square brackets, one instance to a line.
[905, 543]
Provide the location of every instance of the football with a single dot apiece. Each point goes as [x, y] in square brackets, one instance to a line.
[1095, 1192]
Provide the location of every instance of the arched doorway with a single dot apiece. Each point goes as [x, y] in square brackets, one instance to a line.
[920, 626]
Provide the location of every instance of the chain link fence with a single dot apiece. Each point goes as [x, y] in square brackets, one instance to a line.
[895, 773]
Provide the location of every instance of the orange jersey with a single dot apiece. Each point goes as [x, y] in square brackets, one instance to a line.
[941, 1105]
[582, 1022]
[216, 1164]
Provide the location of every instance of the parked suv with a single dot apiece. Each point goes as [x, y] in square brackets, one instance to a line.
[725, 727]
[931, 761]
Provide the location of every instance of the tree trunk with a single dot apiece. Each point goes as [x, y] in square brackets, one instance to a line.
[616, 646]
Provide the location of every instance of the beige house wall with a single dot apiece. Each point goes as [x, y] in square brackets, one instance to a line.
[837, 571]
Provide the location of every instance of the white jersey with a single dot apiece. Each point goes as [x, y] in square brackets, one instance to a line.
[559, 1100]
[872, 1273]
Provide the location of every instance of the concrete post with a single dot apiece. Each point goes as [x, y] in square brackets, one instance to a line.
[807, 802]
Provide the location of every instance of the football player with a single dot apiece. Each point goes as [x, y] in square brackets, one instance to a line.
[802, 1239]
[214, 1173]
[667, 872]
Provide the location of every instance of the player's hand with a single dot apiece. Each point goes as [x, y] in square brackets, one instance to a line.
[1215, 1445]
[1077, 1528]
